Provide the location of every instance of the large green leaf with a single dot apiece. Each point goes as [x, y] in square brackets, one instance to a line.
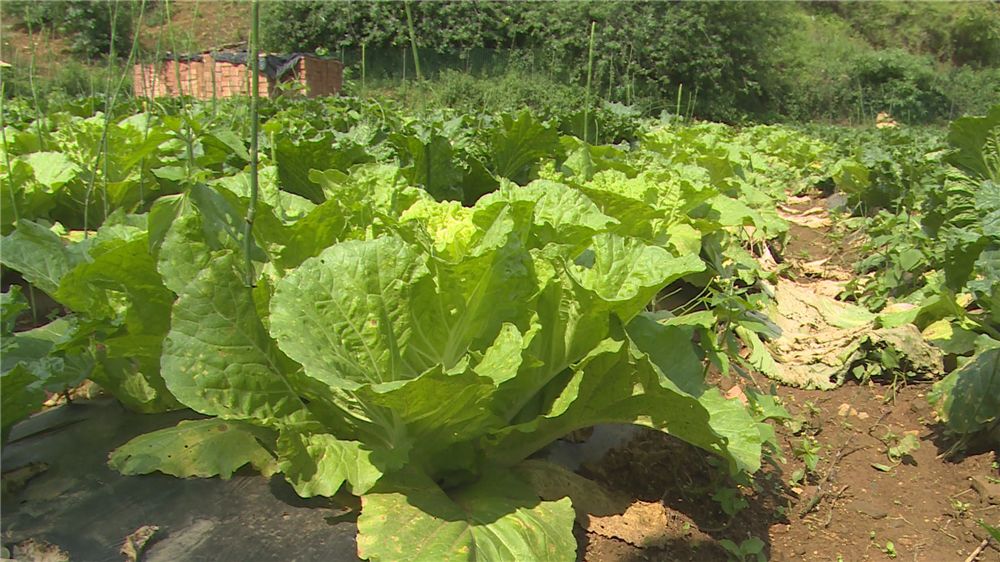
[22, 195]
[616, 276]
[566, 322]
[634, 201]
[986, 284]
[12, 304]
[977, 144]
[161, 217]
[447, 228]
[38, 254]
[368, 192]
[562, 215]
[52, 169]
[519, 142]
[343, 314]
[431, 424]
[611, 386]
[201, 448]
[627, 274]
[319, 464]
[21, 395]
[428, 162]
[497, 518]
[122, 295]
[219, 360]
[203, 223]
[132, 375]
[48, 354]
[120, 268]
[672, 349]
[464, 303]
[325, 225]
[583, 160]
[502, 360]
[672, 353]
[968, 400]
[295, 159]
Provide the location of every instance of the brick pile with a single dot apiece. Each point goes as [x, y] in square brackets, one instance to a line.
[321, 77]
[208, 78]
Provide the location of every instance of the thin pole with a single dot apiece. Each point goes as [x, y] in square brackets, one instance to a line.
[253, 66]
[413, 41]
[680, 90]
[590, 74]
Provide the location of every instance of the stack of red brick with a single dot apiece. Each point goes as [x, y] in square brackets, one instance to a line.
[204, 77]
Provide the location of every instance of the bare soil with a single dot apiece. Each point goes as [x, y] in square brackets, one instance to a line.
[197, 25]
[925, 505]
[857, 505]
[194, 26]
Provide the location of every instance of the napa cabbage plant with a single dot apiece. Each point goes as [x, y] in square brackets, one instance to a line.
[424, 358]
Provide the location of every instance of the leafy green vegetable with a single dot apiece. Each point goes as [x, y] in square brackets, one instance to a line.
[39, 254]
[977, 145]
[968, 400]
[22, 396]
[496, 518]
[201, 448]
[435, 300]
[12, 304]
[218, 359]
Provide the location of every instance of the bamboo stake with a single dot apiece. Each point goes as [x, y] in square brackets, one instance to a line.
[590, 75]
[253, 65]
[413, 42]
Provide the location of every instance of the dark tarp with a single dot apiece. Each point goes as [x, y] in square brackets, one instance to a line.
[87, 509]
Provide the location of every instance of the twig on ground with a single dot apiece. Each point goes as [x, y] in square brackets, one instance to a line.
[878, 423]
[829, 516]
[979, 550]
[820, 490]
[947, 534]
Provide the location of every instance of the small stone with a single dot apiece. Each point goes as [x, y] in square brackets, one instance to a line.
[869, 509]
[988, 491]
[980, 533]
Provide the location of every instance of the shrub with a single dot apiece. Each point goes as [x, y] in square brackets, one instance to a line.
[719, 50]
[972, 91]
[90, 24]
[905, 85]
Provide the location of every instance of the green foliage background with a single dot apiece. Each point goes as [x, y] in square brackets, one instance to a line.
[922, 62]
[730, 61]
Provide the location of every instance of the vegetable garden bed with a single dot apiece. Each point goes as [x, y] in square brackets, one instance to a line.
[414, 310]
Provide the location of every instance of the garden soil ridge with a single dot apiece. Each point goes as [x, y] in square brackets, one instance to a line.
[922, 508]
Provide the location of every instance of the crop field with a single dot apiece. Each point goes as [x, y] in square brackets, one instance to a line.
[449, 335]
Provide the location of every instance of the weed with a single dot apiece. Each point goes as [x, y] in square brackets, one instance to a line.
[961, 508]
[900, 446]
[731, 500]
[750, 550]
[807, 450]
[811, 407]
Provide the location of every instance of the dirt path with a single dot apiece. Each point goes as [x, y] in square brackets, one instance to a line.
[858, 502]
